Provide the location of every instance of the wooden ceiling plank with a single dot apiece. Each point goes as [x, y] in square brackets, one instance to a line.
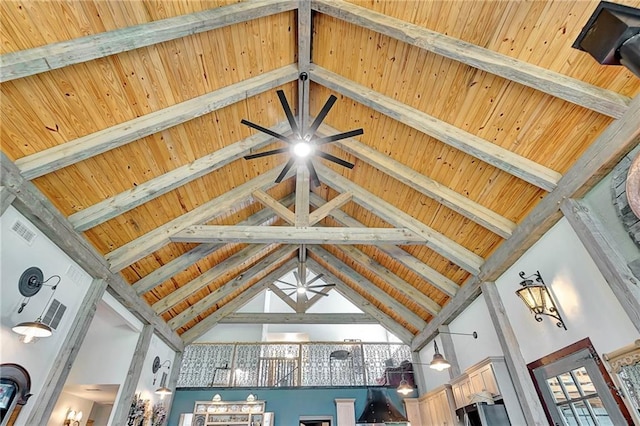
[325, 209]
[555, 84]
[416, 266]
[510, 162]
[295, 318]
[55, 158]
[296, 235]
[166, 271]
[147, 191]
[615, 142]
[264, 265]
[237, 260]
[274, 205]
[427, 186]
[41, 212]
[458, 254]
[620, 137]
[205, 325]
[136, 249]
[367, 307]
[390, 278]
[283, 296]
[369, 287]
[58, 55]
[302, 197]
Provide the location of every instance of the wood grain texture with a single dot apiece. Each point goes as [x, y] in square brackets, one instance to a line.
[6, 198]
[295, 318]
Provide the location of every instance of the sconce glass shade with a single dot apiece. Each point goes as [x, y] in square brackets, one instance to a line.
[71, 415]
[404, 388]
[537, 298]
[163, 391]
[32, 329]
[78, 416]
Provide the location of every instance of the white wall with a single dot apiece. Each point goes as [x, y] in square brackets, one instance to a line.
[16, 257]
[146, 388]
[67, 402]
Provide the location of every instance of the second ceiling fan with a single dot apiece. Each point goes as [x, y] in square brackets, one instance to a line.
[303, 144]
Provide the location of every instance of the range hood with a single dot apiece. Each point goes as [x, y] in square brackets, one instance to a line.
[379, 410]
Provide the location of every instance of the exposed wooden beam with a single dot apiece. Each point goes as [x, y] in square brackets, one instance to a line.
[620, 137]
[508, 161]
[614, 143]
[416, 266]
[283, 296]
[45, 400]
[264, 266]
[294, 235]
[369, 288]
[458, 303]
[153, 188]
[522, 384]
[278, 208]
[334, 204]
[63, 155]
[606, 255]
[39, 210]
[57, 55]
[428, 187]
[166, 271]
[367, 307]
[304, 59]
[6, 198]
[302, 197]
[135, 250]
[238, 260]
[295, 318]
[390, 278]
[205, 325]
[128, 389]
[555, 84]
[439, 243]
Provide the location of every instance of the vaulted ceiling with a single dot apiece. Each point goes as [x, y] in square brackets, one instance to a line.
[122, 138]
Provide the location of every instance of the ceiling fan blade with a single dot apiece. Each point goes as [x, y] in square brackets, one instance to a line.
[317, 292]
[323, 113]
[322, 285]
[338, 136]
[267, 131]
[335, 159]
[292, 293]
[284, 171]
[266, 153]
[289, 284]
[288, 112]
[313, 175]
[316, 278]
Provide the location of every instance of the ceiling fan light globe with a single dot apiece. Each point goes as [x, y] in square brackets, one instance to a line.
[301, 290]
[302, 149]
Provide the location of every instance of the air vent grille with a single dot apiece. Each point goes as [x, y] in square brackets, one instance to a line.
[23, 231]
[54, 314]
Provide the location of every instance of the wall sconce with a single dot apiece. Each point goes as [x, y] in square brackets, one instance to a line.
[73, 418]
[535, 294]
[30, 283]
[163, 390]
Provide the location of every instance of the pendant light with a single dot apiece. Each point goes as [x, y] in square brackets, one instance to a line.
[438, 362]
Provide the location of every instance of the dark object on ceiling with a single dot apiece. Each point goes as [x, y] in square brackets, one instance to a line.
[612, 36]
[303, 144]
[379, 410]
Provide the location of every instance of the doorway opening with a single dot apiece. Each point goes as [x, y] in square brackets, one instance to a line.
[316, 421]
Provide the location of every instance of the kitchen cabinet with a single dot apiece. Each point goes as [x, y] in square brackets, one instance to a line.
[231, 413]
[437, 407]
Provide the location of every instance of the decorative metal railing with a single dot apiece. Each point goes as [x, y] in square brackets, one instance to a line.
[289, 364]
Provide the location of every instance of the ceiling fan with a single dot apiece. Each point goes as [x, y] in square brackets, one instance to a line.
[303, 284]
[303, 144]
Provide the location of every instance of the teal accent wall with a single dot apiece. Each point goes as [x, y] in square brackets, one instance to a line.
[287, 404]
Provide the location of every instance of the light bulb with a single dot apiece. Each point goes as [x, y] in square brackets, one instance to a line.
[302, 149]
[27, 338]
[301, 290]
